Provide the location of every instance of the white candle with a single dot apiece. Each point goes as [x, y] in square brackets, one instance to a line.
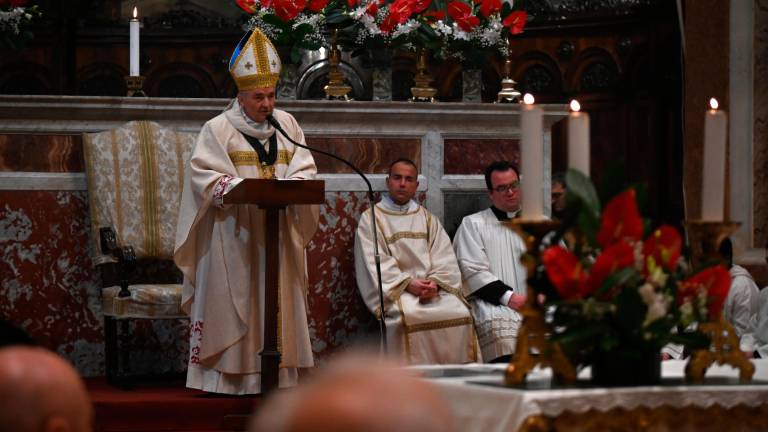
[578, 139]
[713, 170]
[134, 43]
[532, 157]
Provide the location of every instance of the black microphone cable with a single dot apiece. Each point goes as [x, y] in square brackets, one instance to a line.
[377, 258]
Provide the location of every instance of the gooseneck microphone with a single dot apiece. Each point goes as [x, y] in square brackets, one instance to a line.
[377, 258]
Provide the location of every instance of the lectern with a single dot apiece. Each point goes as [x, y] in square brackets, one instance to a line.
[273, 195]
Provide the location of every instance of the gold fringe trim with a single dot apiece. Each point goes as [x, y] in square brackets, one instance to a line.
[438, 325]
[407, 235]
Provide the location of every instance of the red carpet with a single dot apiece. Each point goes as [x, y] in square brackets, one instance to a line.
[166, 406]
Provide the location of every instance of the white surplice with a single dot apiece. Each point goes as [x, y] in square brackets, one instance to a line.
[413, 244]
[220, 249]
[488, 251]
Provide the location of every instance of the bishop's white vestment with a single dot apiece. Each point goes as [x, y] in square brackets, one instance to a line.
[413, 244]
[488, 252]
[221, 252]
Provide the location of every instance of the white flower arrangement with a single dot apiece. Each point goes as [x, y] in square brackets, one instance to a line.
[12, 19]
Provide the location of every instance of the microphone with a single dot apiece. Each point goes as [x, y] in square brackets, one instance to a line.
[377, 258]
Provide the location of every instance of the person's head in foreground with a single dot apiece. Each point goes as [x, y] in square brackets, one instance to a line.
[41, 392]
[359, 393]
[503, 183]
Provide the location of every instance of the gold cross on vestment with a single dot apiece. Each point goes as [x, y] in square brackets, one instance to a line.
[274, 63]
[249, 65]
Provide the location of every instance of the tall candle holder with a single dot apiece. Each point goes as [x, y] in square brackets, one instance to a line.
[336, 87]
[423, 91]
[705, 238]
[135, 85]
[534, 331]
[508, 93]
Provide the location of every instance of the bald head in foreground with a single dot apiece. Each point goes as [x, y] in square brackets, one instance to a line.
[356, 394]
[40, 391]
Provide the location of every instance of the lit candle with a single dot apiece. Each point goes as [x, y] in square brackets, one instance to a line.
[532, 157]
[578, 139]
[713, 173]
[134, 43]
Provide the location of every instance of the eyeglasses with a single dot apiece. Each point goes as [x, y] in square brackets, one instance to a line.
[514, 186]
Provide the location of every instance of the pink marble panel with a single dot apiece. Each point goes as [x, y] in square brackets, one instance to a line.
[471, 156]
[370, 155]
[41, 153]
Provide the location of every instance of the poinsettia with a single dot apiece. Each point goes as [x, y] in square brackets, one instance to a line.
[462, 15]
[663, 248]
[621, 220]
[565, 272]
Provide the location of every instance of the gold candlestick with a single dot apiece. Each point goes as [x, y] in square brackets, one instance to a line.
[508, 93]
[534, 331]
[422, 91]
[705, 238]
[135, 86]
[336, 87]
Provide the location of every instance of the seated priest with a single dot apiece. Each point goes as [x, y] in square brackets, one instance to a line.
[427, 318]
[220, 248]
[742, 303]
[494, 280]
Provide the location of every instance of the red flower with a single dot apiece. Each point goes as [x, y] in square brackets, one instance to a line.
[621, 220]
[462, 14]
[287, 10]
[489, 7]
[515, 21]
[613, 258]
[399, 12]
[373, 7]
[715, 280]
[420, 6]
[664, 245]
[317, 5]
[433, 16]
[248, 5]
[565, 272]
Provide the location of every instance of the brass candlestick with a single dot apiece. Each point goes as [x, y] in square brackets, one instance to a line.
[422, 91]
[336, 87]
[508, 93]
[705, 238]
[534, 331]
[135, 86]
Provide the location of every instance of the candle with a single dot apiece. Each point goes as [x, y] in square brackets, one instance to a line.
[578, 139]
[713, 172]
[134, 43]
[532, 157]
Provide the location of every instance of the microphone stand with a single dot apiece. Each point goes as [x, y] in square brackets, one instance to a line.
[377, 258]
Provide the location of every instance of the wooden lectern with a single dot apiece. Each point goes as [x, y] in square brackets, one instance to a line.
[273, 195]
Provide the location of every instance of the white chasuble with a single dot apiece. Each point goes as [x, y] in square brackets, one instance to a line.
[413, 244]
[220, 250]
[488, 251]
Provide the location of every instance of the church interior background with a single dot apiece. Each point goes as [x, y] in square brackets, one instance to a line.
[621, 59]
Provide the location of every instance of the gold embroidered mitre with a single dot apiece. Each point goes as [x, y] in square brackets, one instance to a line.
[255, 62]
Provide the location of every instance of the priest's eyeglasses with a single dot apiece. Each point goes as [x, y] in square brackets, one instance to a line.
[514, 187]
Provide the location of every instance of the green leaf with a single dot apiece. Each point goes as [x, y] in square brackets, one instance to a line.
[276, 21]
[295, 54]
[582, 188]
[617, 278]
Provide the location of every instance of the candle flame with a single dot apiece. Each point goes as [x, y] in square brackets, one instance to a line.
[135, 12]
[575, 105]
[713, 103]
[528, 99]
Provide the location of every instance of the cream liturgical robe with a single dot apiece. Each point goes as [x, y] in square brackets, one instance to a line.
[220, 249]
[489, 251]
[413, 244]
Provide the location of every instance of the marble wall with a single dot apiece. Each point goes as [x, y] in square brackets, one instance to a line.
[48, 283]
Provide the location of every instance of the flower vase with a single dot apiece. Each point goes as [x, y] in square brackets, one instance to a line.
[289, 78]
[627, 368]
[471, 85]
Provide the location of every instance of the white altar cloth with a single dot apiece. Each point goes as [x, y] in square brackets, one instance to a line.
[480, 403]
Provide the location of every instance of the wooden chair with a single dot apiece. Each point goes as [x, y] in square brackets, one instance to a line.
[135, 176]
